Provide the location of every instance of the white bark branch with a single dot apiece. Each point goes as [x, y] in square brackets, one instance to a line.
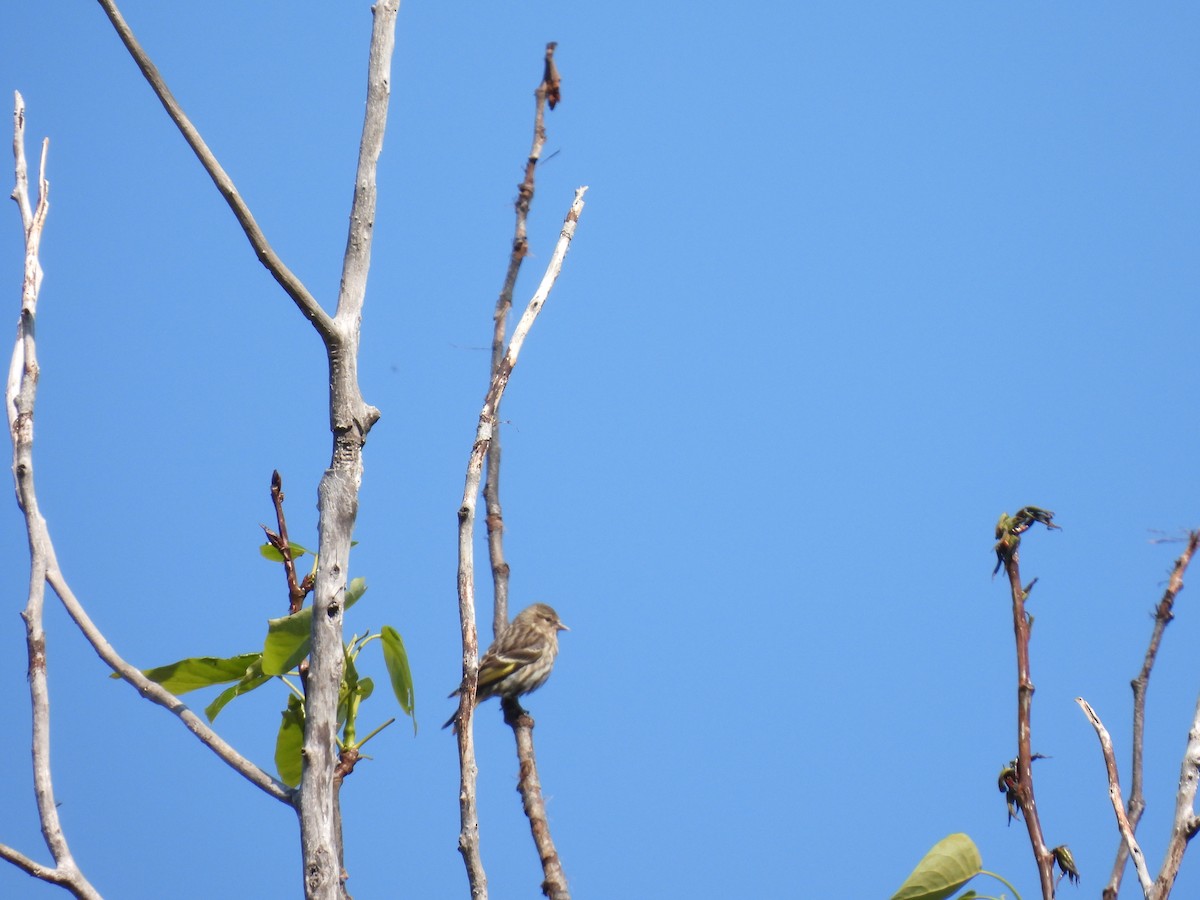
[291, 284]
[19, 394]
[350, 420]
[1114, 795]
[468, 839]
[1186, 822]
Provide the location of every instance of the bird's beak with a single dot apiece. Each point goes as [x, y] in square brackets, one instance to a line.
[561, 627]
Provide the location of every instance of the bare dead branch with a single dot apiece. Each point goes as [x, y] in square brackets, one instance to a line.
[290, 283]
[1186, 822]
[1136, 805]
[468, 839]
[20, 393]
[67, 878]
[350, 420]
[554, 883]
[156, 693]
[1114, 795]
[1008, 533]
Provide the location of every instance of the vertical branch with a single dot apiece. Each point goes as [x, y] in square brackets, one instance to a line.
[1008, 533]
[1186, 822]
[1163, 614]
[468, 838]
[520, 248]
[20, 394]
[350, 421]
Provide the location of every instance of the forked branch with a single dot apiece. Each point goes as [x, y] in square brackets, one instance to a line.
[350, 418]
[20, 395]
[468, 840]
[554, 881]
[20, 391]
[291, 285]
[1114, 796]
[1184, 825]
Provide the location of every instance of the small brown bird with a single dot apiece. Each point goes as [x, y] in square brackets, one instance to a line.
[520, 659]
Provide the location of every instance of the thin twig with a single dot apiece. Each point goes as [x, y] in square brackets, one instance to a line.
[1163, 614]
[297, 589]
[20, 394]
[468, 839]
[1009, 531]
[520, 248]
[291, 284]
[1114, 795]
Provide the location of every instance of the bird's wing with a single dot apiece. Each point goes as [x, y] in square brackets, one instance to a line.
[500, 662]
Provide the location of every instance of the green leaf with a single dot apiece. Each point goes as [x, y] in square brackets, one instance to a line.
[355, 589]
[274, 555]
[288, 640]
[253, 678]
[395, 657]
[289, 637]
[366, 687]
[289, 742]
[952, 862]
[199, 671]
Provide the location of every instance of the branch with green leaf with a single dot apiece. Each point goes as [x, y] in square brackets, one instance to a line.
[283, 656]
[1020, 792]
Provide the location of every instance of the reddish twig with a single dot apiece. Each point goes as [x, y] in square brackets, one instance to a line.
[297, 589]
[1008, 533]
[1163, 614]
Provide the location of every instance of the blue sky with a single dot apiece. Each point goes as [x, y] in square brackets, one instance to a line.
[852, 280]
